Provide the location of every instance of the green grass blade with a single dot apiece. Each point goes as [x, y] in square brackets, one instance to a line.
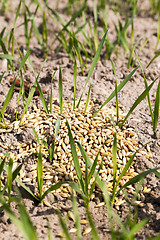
[96, 57]
[16, 171]
[2, 76]
[5, 52]
[96, 175]
[57, 125]
[126, 167]
[119, 87]
[26, 30]
[77, 14]
[8, 98]
[85, 156]
[23, 224]
[49, 230]
[20, 182]
[93, 168]
[146, 85]
[37, 34]
[17, 12]
[156, 108]
[23, 61]
[26, 188]
[2, 166]
[27, 224]
[137, 178]
[87, 100]
[57, 16]
[1, 169]
[8, 57]
[116, 91]
[136, 228]
[157, 174]
[73, 185]
[40, 173]
[19, 96]
[158, 29]
[51, 95]
[77, 218]
[64, 227]
[74, 82]
[103, 187]
[140, 51]
[156, 55]
[2, 32]
[114, 159]
[60, 91]
[44, 34]
[52, 188]
[31, 92]
[23, 89]
[30, 96]
[75, 157]
[9, 182]
[36, 135]
[42, 98]
[63, 23]
[94, 231]
[139, 99]
[132, 51]
[77, 50]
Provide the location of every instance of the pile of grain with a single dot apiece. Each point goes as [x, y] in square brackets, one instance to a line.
[94, 133]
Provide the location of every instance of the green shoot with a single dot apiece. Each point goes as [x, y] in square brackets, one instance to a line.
[64, 227]
[154, 116]
[125, 169]
[114, 159]
[74, 83]
[51, 94]
[60, 91]
[77, 218]
[75, 158]
[9, 95]
[116, 91]
[9, 182]
[94, 62]
[40, 173]
[132, 51]
[87, 100]
[137, 178]
[156, 108]
[94, 231]
[157, 53]
[24, 223]
[31, 93]
[119, 87]
[137, 102]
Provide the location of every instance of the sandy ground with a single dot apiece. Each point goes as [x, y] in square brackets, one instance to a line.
[102, 84]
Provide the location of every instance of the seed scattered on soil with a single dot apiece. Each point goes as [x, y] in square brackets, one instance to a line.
[94, 133]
